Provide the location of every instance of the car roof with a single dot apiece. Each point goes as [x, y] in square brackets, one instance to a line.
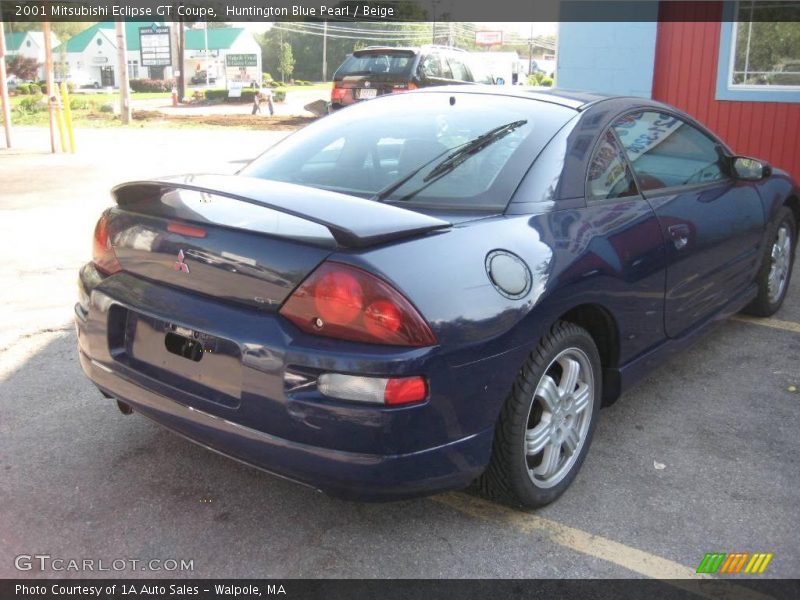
[575, 99]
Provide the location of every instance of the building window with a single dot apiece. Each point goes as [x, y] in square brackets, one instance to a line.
[133, 69]
[759, 52]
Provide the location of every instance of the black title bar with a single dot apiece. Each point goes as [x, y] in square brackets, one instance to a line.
[375, 10]
[395, 589]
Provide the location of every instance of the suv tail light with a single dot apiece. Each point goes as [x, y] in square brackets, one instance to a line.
[103, 255]
[338, 93]
[348, 303]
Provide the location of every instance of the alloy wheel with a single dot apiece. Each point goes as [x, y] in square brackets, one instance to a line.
[559, 418]
[781, 260]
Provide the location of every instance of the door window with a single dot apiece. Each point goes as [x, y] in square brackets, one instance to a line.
[665, 151]
[458, 68]
[433, 67]
[609, 175]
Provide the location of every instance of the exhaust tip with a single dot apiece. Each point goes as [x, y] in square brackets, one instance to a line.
[124, 408]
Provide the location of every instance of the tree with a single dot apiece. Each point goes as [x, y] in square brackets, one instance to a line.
[286, 61]
[22, 67]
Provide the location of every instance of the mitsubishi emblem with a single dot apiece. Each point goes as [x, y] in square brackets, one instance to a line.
[179, 264]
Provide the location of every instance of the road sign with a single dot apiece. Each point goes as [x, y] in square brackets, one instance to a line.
[154, 44]
[488, 38]
[241, 60]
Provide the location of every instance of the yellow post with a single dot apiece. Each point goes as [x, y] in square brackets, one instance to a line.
[60, 122]
[68, 116]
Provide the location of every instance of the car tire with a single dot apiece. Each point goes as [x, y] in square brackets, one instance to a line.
[774, 276]
[546, 424]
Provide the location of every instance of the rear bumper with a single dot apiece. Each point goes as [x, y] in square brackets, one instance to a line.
[359, 476]
[358, 452]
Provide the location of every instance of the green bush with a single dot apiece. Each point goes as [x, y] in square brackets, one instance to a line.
[24, 88]
[219, 95]
[274, 84]
[107, 108]
[78, 103]
[31, 105]
[34, 89]
[279, 95]
[266, 78]
[152, 85]
[540, 79]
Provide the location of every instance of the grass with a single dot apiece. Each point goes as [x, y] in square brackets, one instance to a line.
[86, 112]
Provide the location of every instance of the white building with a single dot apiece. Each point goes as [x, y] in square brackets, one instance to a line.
[29, 44]
[504, 65]
[209, 53]
[91, 55]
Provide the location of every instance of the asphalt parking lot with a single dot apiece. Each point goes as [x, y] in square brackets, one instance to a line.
[701, 457]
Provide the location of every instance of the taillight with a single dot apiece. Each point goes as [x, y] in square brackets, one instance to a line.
[391, 391]
[347, 303]
[103, 255]
[338, 93]
[404, 87]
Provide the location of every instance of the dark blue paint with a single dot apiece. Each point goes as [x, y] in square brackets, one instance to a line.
[616, 256]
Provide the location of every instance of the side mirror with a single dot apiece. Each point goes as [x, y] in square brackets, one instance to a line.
[749, 169]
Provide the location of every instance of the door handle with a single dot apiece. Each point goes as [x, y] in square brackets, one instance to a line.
[679, 234]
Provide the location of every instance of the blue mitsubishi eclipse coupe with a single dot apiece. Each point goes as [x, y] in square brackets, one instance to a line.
[430, 288]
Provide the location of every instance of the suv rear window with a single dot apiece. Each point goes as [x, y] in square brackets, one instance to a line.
[377, 63]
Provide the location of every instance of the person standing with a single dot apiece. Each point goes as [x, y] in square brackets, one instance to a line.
[261, 95]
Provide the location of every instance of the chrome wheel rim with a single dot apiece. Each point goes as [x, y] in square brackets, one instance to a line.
[559, 418]
[779, 269]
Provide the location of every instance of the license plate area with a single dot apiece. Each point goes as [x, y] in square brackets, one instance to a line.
[367, 93]
[193, 361]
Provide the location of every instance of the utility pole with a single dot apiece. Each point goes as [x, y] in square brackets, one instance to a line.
[122, 68]
[530, 52]
[48, 75]
[433, 25]
[325, 51]
[181, 74]
[4, 86]
[205, 29]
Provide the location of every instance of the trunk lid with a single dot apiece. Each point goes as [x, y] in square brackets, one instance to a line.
[242, 239]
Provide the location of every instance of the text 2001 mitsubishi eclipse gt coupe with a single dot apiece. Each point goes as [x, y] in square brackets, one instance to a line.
[430, 288]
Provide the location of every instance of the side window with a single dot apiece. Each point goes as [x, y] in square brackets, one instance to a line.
[433, 67]
[459, 70]
[664, 151]
[609, 175]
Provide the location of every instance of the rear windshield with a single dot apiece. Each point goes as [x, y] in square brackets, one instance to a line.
[434, 149]
[379, 63]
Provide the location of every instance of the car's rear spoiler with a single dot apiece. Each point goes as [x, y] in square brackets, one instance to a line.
[383, 50]
[353, 222]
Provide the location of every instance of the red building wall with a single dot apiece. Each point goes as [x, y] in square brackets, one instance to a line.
[687, 53]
